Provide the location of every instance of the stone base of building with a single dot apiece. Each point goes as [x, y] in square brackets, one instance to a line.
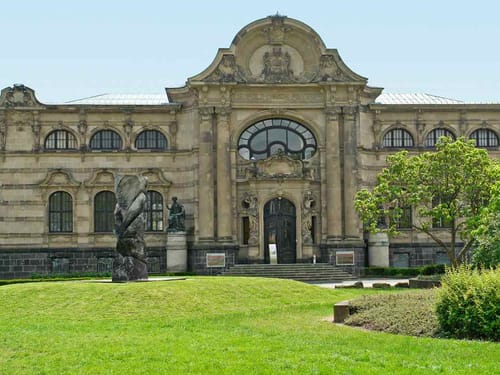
[211, 258]
[25, 263]
[350, 256]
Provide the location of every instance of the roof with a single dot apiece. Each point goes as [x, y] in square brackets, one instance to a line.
[123, 99]
[162, 99]
[414, 98]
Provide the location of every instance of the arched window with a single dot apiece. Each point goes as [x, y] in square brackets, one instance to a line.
[154, 211]
[60, 212]
[151, 140]
[60, 140]
[104, 208]
[106, 140]
[397, 138]
[484, 138]
[272, 136]
[433, 137]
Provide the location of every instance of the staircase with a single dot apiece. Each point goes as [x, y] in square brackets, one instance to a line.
[305, 272]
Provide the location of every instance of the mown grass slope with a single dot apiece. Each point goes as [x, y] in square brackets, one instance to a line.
[208, 326]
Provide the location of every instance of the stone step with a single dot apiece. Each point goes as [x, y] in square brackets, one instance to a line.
[305, 272]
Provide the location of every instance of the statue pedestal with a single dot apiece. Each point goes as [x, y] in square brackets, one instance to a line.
[176, 252]
[378, 250]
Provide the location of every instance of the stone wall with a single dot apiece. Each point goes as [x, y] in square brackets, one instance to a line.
[25, 263]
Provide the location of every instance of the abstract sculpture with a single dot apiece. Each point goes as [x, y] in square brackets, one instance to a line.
[130, 261]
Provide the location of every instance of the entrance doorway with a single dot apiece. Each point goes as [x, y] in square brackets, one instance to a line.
[279, 228]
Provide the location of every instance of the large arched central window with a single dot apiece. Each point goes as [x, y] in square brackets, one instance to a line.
[272, 136]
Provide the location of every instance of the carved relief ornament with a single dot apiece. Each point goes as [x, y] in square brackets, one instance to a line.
[58, 179]
[249, 204]
[18, 96]
[279, 166]
[227, 71]
[276, 33]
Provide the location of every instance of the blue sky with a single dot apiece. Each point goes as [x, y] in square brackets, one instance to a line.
[66, 49]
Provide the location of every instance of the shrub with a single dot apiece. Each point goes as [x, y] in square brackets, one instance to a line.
[468, 304]
[407, 313]
[433, 269]
[391, 272]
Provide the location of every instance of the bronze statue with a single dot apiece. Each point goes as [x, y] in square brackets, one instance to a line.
[176, 217]
[130, 261]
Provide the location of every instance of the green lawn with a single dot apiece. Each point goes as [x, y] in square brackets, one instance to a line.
[209, 325]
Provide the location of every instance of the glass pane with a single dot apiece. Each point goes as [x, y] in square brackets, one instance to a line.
[259, 141]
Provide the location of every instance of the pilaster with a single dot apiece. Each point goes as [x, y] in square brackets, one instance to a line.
[224, 202]
[206, 176]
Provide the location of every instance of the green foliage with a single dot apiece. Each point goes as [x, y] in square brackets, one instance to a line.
[486, 252]
[469, 304]
[407, 313]
[450, 186]
[433, 269]
[392, 271]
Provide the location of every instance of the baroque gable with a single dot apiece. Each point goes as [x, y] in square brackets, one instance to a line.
[18, 96]
[277, 50]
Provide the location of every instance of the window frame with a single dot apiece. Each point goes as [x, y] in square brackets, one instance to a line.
[100, 213]
[99, 137]
[435, 134]
[390, 138]
[488, 134]
[274, 144]
[60, 218]
[68, 140]
[151, 220]
[158, 139]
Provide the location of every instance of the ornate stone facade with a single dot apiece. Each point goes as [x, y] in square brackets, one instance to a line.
[58, 162]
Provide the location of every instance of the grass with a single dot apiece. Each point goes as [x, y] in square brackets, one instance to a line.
[209, 326]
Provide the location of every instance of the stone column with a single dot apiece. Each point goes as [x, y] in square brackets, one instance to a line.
[206, 176]
[224, 216]
[333, 176]
[350, 173]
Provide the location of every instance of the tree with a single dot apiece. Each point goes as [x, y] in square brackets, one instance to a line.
[486, 252]
[446, 188]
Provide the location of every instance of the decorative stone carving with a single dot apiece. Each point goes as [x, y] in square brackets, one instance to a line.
[276, 33]
[130, 262]
[128, 125]
[279, 165]
[420, 124]
[58, 179]
[18, 96]
[227, 71]
[277, 66]
[3, 131]
[20, 119]
[308, 211]
[250, 209]
[36, 130]
[329, 70]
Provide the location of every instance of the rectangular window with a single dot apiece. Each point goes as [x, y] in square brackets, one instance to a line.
[314, 220]
[344, 258]
[405, 221]
[245, 230]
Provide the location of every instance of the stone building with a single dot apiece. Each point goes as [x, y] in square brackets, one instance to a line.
[269, 144]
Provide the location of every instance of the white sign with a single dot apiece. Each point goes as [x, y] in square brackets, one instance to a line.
[273, 253]
[216, 260]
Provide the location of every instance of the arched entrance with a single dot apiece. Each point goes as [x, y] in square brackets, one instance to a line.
[279, 228]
